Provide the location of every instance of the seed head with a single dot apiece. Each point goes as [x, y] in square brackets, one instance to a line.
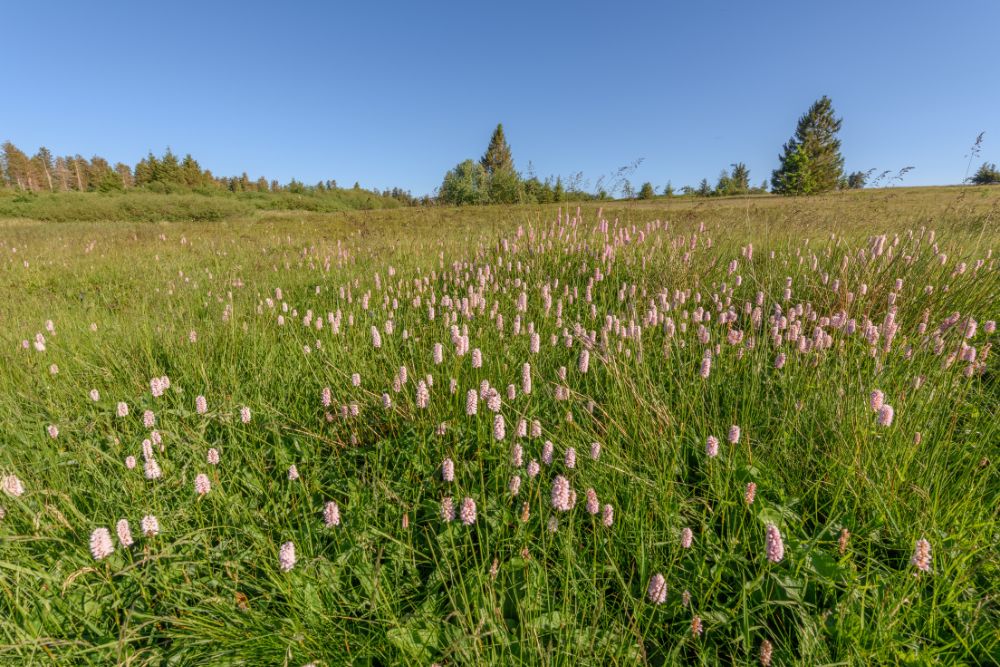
[515, 485]
[766, 650]
[922, 556]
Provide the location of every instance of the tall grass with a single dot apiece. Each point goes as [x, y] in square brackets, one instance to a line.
[140, 206]
[394, 584]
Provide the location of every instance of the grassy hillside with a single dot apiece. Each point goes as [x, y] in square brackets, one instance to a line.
[174, 207]
[751, 499]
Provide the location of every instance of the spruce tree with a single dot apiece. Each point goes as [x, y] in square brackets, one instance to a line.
[739, 181]
[497, 156]
[811, 161]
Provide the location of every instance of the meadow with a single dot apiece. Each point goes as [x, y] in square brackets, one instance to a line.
[751, 430]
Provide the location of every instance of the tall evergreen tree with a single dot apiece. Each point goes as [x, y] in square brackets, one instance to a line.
[497, 156]
[739, 180]
[811, 161]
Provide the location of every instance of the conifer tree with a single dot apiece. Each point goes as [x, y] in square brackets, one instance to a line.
[811, 161]
[739, 180]
[497, 156]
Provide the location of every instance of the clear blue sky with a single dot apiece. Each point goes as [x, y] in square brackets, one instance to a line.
[394, 94]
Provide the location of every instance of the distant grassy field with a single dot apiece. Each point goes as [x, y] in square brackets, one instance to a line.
[794, 404]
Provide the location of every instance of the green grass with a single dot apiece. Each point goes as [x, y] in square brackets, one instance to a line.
[209, 206]
[394, 584]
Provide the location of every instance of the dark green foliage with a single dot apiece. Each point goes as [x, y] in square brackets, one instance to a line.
[497, 156]
[646, 191]
[704, 189]
[987, 174]
[855, 180]
[811, 161]
[739, 180]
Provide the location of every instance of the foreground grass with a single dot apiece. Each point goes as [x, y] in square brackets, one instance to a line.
[525, 583]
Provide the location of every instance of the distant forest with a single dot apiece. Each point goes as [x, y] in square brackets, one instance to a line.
[44, 172]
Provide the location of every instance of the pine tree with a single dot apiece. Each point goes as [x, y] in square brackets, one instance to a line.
[646, 191]
[811, 161]
[497, 156]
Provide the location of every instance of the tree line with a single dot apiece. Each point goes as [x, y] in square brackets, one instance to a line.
[810, 163]
[44, 172]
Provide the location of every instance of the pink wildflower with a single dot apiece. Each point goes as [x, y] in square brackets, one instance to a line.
[124, 533]
[286, 557]
[101, 545]
[657, 589]
[561, 494]
[468, 513]
[608, 516]
[687, 537]
[712, 446]
[775, 548]
[331, 514]
[150, 526]
[201, 484]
